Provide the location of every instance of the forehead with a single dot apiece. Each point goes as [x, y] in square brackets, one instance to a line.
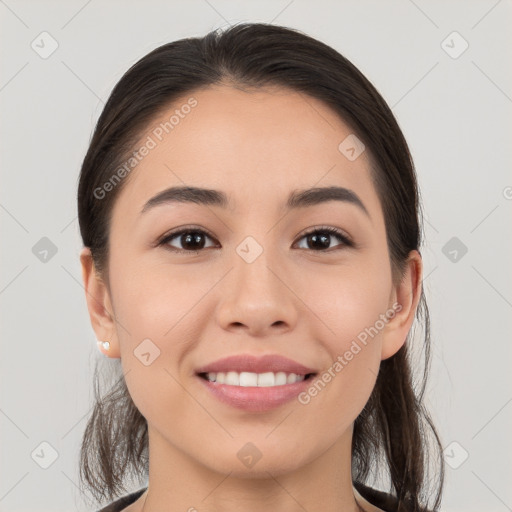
[255, 145]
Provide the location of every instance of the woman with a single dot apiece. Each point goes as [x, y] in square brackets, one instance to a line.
[250, 218]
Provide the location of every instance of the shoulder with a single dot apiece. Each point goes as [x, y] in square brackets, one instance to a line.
[380, 499]
[123, 502]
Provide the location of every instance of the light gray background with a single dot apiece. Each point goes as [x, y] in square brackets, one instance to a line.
[455, 114]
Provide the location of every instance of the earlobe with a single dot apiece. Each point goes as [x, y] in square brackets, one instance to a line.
[406, 298]
[99, 305]
[104, 346]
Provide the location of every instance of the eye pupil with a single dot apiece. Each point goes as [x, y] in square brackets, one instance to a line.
[322, 238]
[194, 239]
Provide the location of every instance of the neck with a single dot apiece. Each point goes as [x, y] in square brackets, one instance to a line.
[178, 482]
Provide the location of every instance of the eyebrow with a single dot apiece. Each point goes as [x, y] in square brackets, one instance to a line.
[296, 199]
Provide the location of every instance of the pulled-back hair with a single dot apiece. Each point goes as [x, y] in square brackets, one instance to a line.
[394, 435]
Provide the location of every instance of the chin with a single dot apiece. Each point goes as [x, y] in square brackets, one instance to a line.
[251, 462]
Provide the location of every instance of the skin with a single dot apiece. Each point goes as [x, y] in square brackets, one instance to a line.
[296, 300]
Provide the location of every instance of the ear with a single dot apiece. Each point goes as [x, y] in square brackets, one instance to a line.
[99, 305]
[404, 302]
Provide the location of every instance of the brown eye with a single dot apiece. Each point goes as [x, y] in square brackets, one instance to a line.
[194, 240]
[191, 240]
[320, 239]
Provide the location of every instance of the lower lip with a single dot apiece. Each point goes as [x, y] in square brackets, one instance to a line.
[253, 398]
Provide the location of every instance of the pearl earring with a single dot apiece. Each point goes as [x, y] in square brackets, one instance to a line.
[104, 344]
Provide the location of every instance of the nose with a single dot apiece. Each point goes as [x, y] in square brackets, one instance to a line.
[256, 298]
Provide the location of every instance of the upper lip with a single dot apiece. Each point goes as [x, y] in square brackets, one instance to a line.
[262, 364]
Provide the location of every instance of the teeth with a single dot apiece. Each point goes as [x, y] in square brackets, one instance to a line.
[246, 379]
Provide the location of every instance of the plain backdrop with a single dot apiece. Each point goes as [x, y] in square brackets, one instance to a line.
[443, 67]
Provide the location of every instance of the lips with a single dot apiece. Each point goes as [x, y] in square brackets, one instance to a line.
[255, 399]
[262, 364]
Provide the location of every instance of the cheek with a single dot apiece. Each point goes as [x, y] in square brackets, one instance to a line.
[350, 304]
[154, 340]
[157, 312]
[347, 301]
[338, 394]
[150, 299]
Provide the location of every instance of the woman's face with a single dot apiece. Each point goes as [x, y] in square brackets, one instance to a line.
[258, 285]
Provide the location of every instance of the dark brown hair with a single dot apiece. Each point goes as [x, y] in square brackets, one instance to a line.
[391, 435]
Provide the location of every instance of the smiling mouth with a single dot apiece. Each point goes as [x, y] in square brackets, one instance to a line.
[250, 379]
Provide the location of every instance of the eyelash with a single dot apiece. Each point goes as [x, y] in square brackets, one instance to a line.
[346, 241]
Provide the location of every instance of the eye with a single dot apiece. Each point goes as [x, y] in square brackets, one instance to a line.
[320, 237]
[192, 240]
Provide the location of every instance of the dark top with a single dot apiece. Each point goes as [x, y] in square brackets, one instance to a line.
[380, 499]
